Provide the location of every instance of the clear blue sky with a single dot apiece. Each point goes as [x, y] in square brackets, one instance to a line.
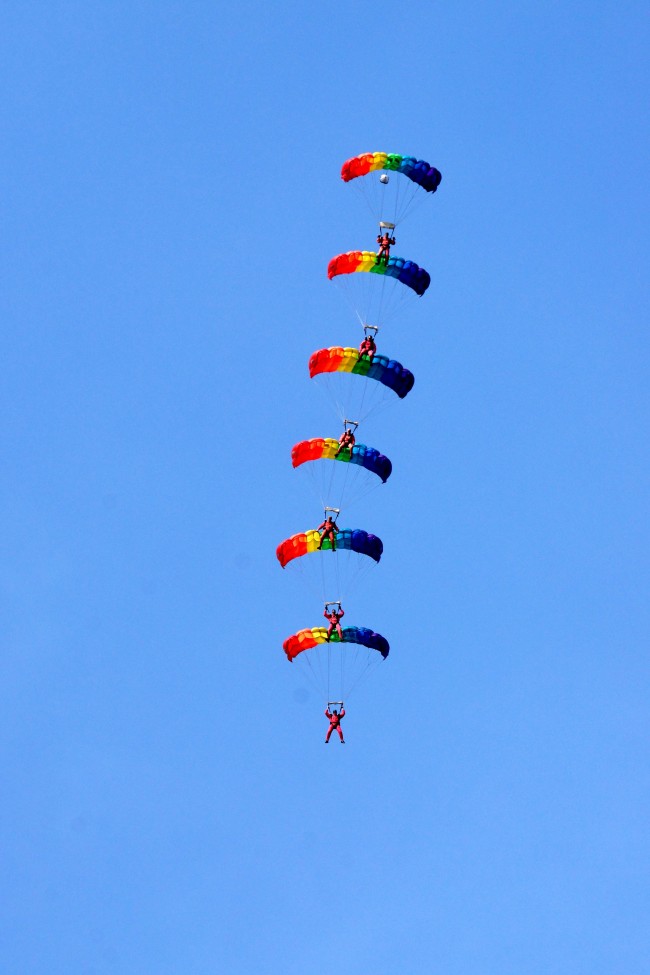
[170, 199]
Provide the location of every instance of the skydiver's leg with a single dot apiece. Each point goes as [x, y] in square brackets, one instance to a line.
[329, 632]
[338, 630]
[329, 732]
[340, 731]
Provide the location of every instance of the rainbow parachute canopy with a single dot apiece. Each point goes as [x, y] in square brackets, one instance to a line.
[325, 448]
[426, 176]
[349, 539]
[386, 371]
[306, 639]
[407, 272]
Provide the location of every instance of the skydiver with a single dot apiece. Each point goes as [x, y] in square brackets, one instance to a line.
[334, 618]
[385, 242]
[367, 348]
[335, 722]
[328, 529]
[346, 440]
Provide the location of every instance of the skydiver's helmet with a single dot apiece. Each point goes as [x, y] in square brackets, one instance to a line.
[383, 178]
[335, 711]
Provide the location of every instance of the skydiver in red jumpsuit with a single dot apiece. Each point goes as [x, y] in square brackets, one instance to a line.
[385, 244]
[367, 348]
[346, 440]
[334, 620]
[335, 722]
[328, 529]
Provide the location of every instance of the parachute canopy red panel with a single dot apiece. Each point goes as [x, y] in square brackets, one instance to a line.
[307, 639]
[417, 170]
[348, 539]
[326, 448]
[387, 371]
[407, 272]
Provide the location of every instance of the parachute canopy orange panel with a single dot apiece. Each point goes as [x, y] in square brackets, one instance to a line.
[417, 170]
[348, 539]
[307, 639]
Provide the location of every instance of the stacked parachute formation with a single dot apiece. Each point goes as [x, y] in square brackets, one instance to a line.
[360, 381]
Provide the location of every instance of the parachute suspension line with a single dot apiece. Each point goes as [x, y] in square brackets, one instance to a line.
[322, 575]
[330, 486]
[346, 477]
[363, 397]
[329, 654]
[406, 198]
[355, 664]
[318, 683]
[411, 205]
[365, 196]
[343, 287]
[383, 292]
[397, 195]
[361, 675]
